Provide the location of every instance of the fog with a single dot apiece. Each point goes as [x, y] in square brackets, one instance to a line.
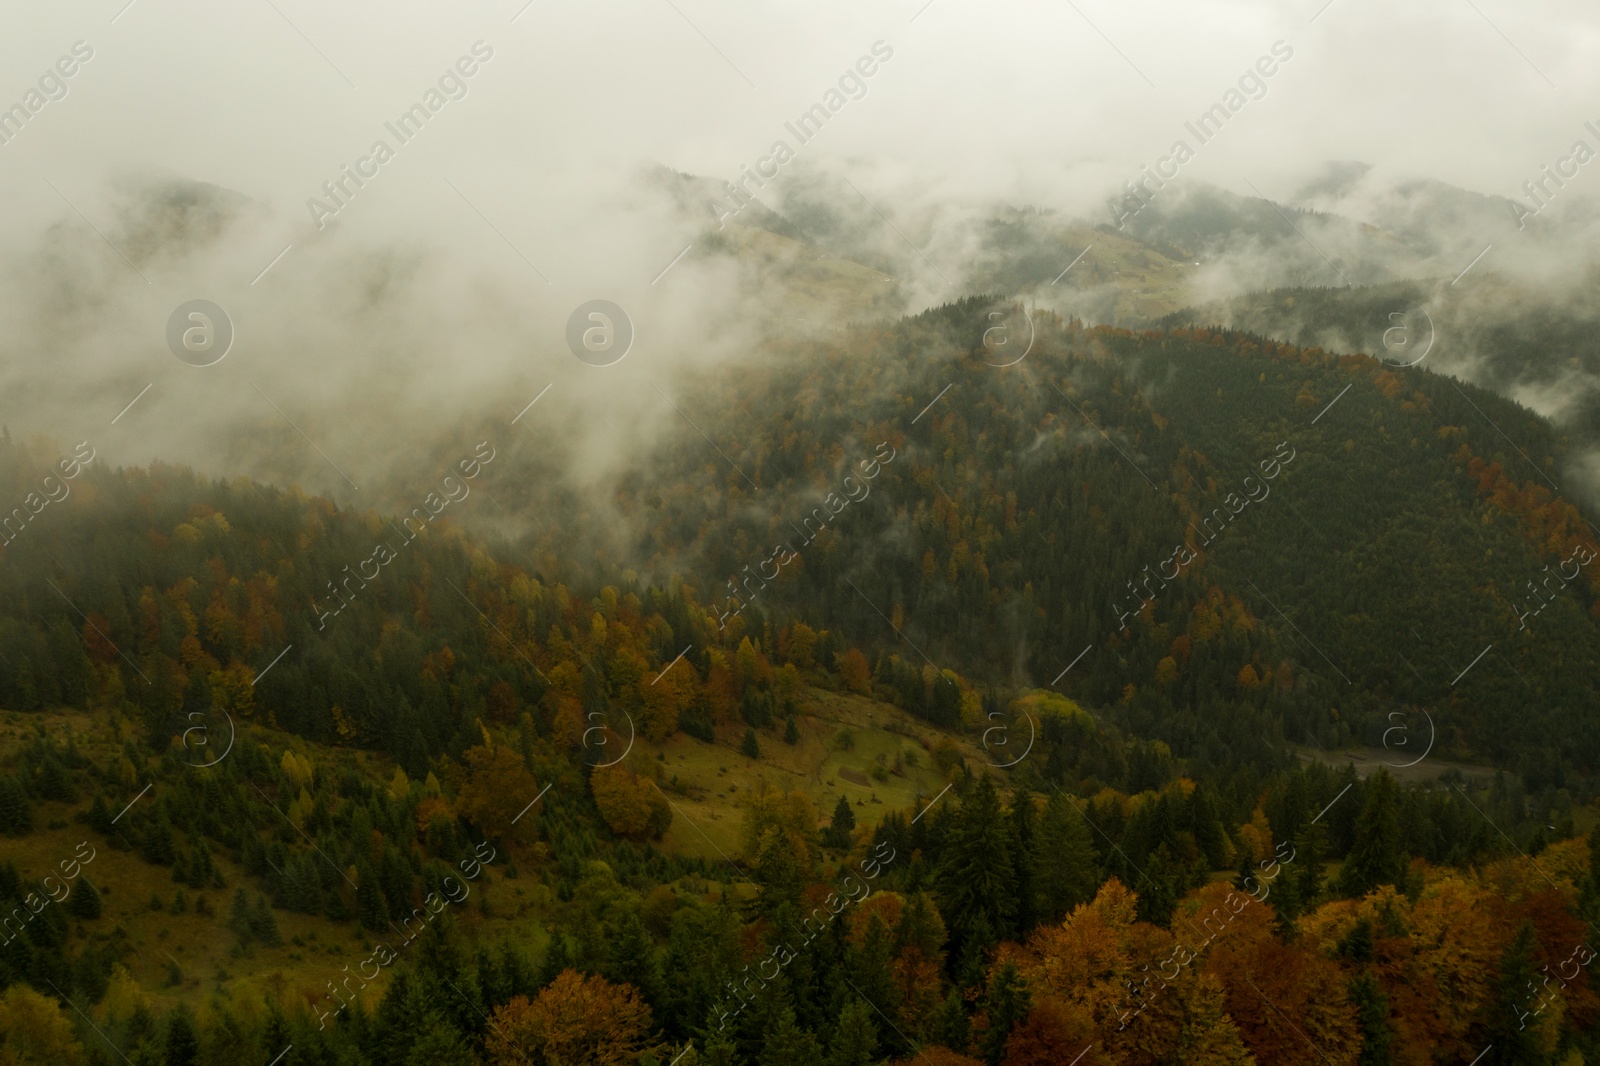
[380, 334]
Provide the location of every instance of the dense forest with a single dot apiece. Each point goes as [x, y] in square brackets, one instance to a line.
[1114, 597]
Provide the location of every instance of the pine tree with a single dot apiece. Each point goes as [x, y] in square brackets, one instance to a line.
[557, 958]
[439, 1044]
[791, 732]
[1589, 896]
[633, 958]
[855, 1038]
[1023, 821]
[263, 926]
[183, 1041]
[16, 813]
[1161, 878]
[1207, 827]
[976, 878]
[844, 822]
[1512, 1029]
[1310, 844]
[1066, 870]
[100, 816]
[1375, 858]
[777, 874]
[751, 747]
[85, 900]
[370, 908]
[1372, 1014]
[873, 977]
[951, 1026]
[1007, 1004]
[240, 919]
[787, 1044]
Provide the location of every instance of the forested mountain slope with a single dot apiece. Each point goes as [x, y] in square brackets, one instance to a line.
[1376, 551]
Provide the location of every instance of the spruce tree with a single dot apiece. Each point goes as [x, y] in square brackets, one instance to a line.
[16, 813]
[1007, 1004]
[751, 747]
[1512, 1029]
[370, 908]
[263, 926]
[855, 1038]
[1023, 822]
[791, 732]
[1375, 858]
[1066, 869]
[557, 958]
[977, 882]
[183, 1041]
[1372, 1014]
[85, 900]
[1310, 844]
[951, 1026]
[240, 918]
[844, 822]
[873, 978]
[787, 1044]
[632, 958]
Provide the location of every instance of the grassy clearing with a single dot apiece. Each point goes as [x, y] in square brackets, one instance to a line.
[715, 778]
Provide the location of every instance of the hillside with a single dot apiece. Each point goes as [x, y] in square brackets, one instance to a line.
[449, 790]
[1026, 510]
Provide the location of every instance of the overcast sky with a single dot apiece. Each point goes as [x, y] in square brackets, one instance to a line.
[1031, 100]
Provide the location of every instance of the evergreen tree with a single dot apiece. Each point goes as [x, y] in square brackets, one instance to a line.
[1206, 826]
[1310, 845]
[438, 1043]
[1375, 858]
[977, 882]
[183, 1040]
[791, 732]
[1007, 1004]
[844, 822]
[241, 918]
[951, 1027]
[16, 813]
[873, 978]
[1512, 1020]
[1066, 871]
[777, 874]
[632, 958]
[1589, 895]
[855, 1038]
[85, 900]
[751, 747]
[263, 926]
[787, 1044]
[557, 958]
[370, 908]
[1372, 1014]
[100, 816]
[1023, 821]
[1163, 880]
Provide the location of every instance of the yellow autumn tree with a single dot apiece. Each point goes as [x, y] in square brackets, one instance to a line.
[498, 789]
[630, 804]
[34, 1032]
[576, 1020]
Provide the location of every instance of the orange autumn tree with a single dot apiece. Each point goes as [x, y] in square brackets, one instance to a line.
[577, 1020]
[497, 789]
[630, 804]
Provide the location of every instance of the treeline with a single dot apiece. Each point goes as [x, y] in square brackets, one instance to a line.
[1002, 928]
